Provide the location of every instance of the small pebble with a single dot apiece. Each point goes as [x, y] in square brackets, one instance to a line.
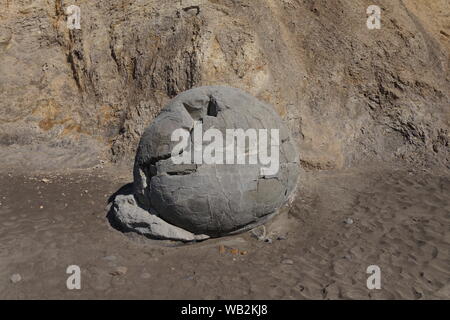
[119, 271]
[15, 278]
[287, 261]
[349, 221]
[110, 258]
[145, 275]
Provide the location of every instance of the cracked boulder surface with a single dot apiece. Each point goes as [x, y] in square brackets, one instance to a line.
[206, 200]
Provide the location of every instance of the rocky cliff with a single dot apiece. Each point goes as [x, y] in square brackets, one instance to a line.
[350, 94]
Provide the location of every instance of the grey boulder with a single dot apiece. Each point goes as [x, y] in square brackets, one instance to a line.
[195, 201]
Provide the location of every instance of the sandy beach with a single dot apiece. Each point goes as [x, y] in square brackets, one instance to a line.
[318, 248]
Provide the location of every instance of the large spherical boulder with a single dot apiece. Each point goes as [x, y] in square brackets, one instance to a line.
[202, 197]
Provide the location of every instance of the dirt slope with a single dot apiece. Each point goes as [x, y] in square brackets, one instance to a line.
[350, 94]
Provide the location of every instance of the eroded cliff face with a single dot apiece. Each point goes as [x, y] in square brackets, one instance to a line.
[349, 94]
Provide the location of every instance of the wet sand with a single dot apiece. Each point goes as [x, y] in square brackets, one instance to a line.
[340, 223]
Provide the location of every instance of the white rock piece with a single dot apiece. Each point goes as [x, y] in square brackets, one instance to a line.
[15, 278]
[133, 218]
